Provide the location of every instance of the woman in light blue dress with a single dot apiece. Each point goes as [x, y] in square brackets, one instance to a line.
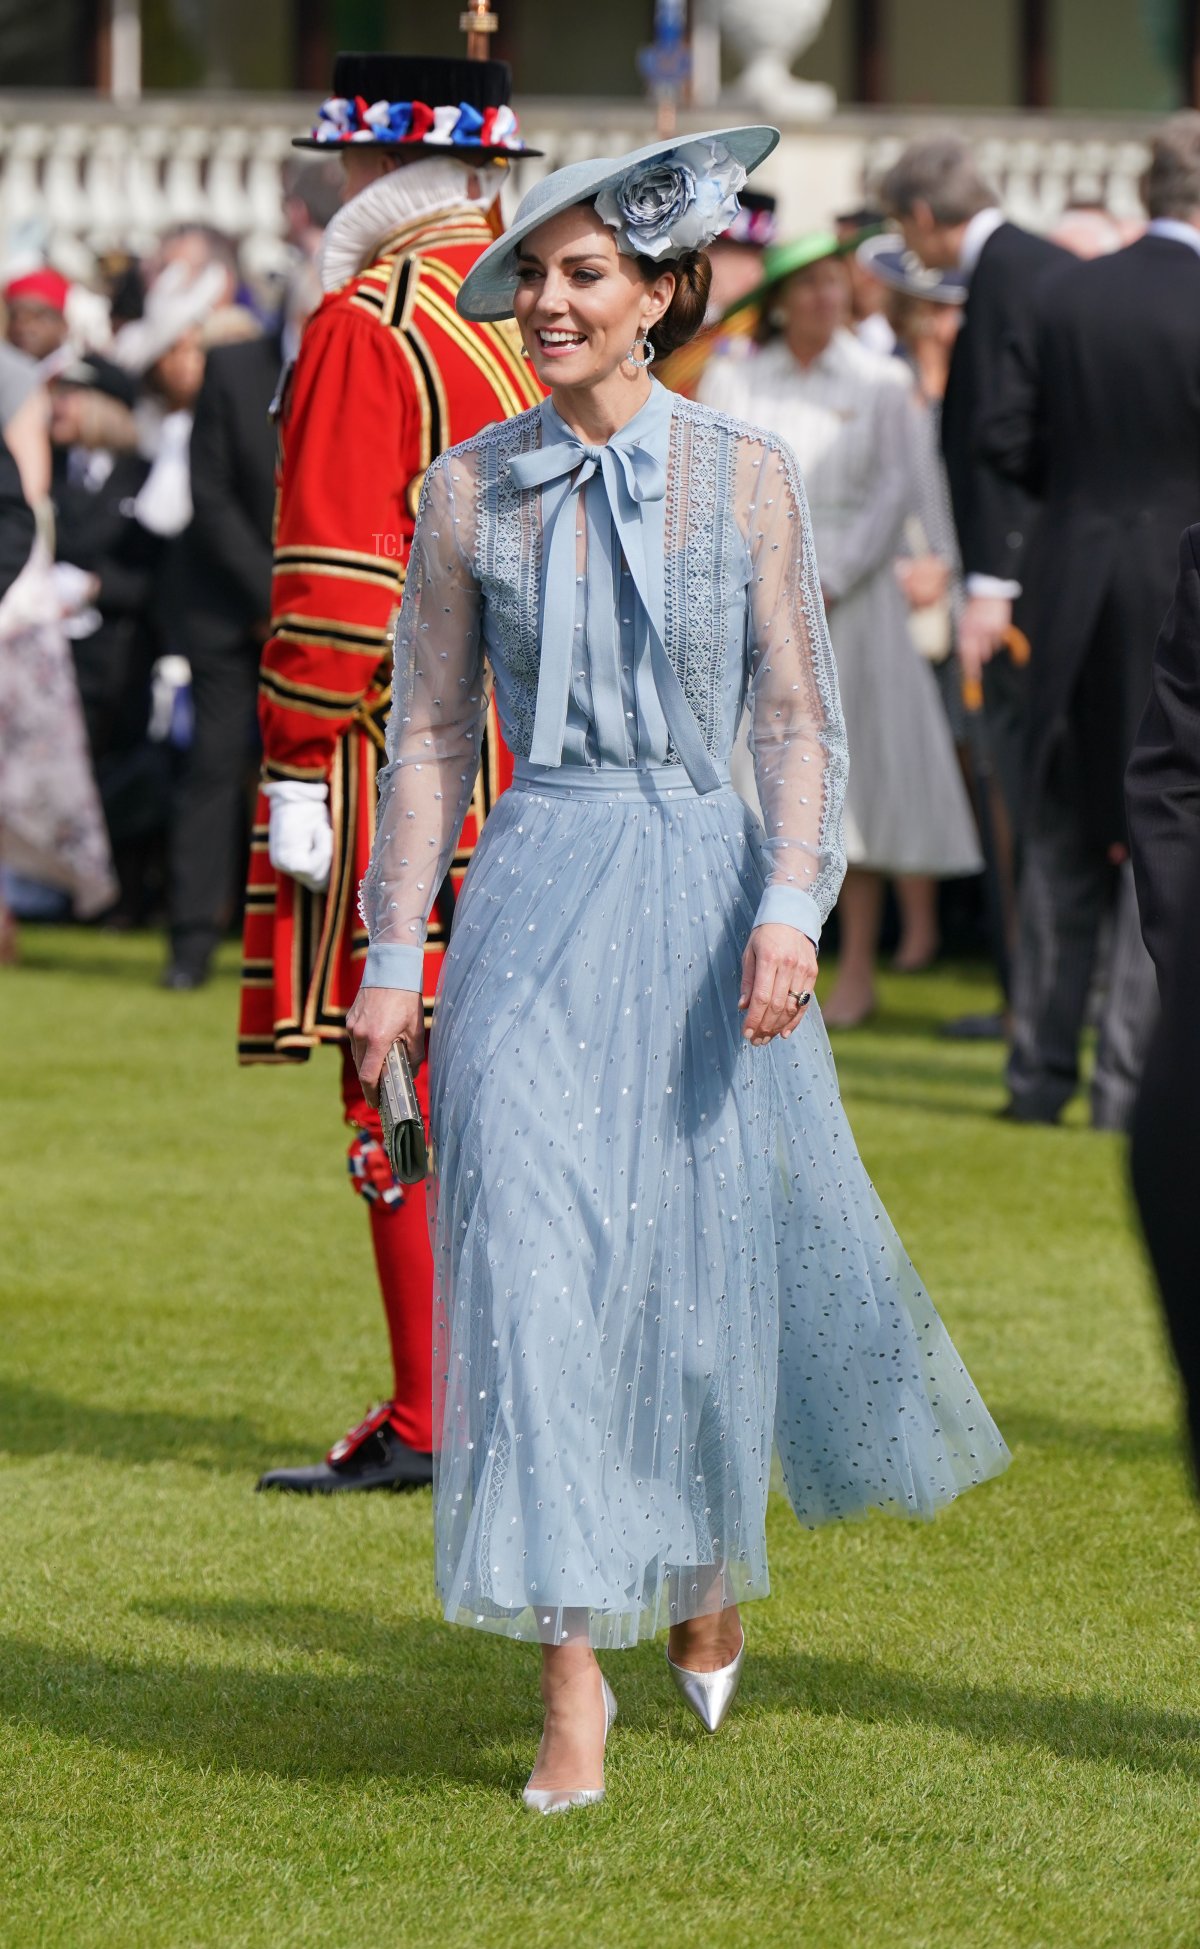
[658, 1255]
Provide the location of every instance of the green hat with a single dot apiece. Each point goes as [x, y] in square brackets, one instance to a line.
[784, 260]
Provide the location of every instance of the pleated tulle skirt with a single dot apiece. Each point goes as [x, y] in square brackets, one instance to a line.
[657, 1253]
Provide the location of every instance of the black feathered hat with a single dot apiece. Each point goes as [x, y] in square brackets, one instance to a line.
[92, 373]
[433, 105]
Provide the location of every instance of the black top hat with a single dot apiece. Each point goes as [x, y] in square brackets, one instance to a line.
[755, 224]
[865, 217]
[99, 375]
[430, 104]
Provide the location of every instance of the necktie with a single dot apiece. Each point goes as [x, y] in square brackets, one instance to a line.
[630, 476]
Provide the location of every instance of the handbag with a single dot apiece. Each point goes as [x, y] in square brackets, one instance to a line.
[930, 630]
[400, 1115]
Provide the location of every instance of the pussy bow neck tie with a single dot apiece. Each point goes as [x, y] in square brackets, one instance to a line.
[631, 477]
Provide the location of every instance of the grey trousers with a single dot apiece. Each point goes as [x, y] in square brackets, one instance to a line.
[1069, 889]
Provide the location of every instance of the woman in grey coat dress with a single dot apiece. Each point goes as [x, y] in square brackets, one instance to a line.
[848, 415]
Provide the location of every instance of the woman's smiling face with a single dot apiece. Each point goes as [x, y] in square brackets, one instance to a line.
[580, 305]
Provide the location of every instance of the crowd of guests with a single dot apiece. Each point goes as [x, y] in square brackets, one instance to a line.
[1000, 446]
[1000, 439]
[136, 408]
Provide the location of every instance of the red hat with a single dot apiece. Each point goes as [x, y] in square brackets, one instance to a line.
[45, 287]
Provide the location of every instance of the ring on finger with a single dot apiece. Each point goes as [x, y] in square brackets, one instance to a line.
[800, 999]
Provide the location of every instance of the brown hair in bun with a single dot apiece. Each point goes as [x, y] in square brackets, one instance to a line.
[684, 315]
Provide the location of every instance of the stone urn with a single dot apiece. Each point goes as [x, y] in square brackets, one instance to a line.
[769, 34]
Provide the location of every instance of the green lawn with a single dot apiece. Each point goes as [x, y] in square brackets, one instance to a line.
[231, 1720]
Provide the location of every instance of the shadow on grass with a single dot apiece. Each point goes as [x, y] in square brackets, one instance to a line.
[133, 956]
[888, 1066]
[1024, 1430]
[1090, 1727]
[982, 1109]
[82, 951]
[914, 1014]
[429, 1702]
[35, 1422]
[422, 1709]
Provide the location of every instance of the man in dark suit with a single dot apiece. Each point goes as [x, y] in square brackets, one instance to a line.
[1162, 790]
[1162, 783]
[951, 220]
[16, 522]
[226, 599]
[1098, 414]
[1165, 1149]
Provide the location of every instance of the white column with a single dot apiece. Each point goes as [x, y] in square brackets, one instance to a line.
[706, 54]
[125, 50]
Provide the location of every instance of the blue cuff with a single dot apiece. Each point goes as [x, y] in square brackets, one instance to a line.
[790, 907]
[395, 967]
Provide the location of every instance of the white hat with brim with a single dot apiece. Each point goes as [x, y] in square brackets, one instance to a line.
[489, 287]
[176, 302]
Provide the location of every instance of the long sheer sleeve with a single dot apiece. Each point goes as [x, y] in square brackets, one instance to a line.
[797, 734]
[435, 732]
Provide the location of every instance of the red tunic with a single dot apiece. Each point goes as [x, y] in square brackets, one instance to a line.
[387, 377]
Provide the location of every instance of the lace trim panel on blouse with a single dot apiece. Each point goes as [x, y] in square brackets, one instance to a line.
[508, 532]
[696, 571]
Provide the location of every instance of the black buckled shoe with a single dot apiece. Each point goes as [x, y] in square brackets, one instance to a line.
[371, 1456]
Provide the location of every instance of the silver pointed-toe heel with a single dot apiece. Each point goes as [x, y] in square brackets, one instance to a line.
[709, 1694]
[560, 1800]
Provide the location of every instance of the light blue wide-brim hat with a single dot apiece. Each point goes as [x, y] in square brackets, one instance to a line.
[488, 289]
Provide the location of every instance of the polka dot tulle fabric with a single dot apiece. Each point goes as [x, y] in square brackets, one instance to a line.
[658, 1256]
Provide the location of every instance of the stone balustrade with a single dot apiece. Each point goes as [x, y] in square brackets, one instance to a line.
[79, 170]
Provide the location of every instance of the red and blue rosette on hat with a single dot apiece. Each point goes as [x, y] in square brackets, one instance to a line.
[423, 104]
[457, 126]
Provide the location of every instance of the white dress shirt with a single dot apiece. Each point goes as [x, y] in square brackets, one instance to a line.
[1178, 231]
[983, 224]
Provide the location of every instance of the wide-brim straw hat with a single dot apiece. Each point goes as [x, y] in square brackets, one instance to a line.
[902, 270]
[489, 287]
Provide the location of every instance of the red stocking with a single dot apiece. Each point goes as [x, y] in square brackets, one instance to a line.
[400, 1236]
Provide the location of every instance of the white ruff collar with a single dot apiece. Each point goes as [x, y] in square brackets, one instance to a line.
[355, 232]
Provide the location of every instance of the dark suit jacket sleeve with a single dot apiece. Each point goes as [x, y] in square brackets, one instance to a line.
[1009, 436]
[996, 352]
[16, 522]
[1162, 784]
[995, 542]
[222, 527]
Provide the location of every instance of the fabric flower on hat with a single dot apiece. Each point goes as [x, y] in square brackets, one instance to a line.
[680, 202]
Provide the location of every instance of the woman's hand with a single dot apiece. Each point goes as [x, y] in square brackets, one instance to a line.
[379, 1018]
[779, 963]
[924, 579]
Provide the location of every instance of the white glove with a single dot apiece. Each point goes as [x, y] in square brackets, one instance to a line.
[163, 504]
[300, 835]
